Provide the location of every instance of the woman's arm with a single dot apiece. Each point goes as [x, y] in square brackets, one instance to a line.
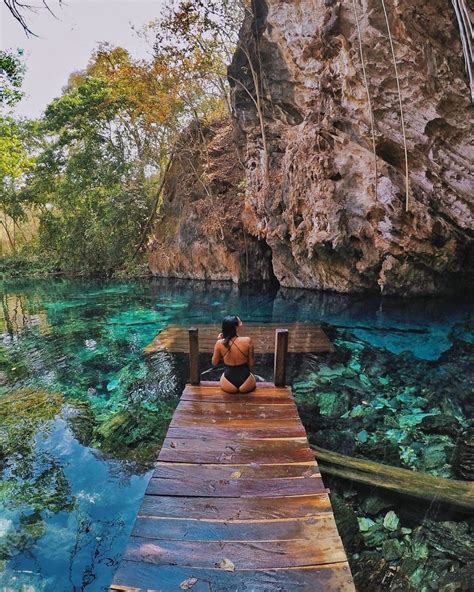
[216, 356]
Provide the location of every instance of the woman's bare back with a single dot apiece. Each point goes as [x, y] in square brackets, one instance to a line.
[240, 351]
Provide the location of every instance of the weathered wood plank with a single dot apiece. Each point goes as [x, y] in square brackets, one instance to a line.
[202, 451]
[227, 509]
[261, 385]
[235, 487]
[236, 410]
[306, 529]
[221, 397]
[141, 577]
[248, 555]
[413, 483]
[304, 337]
[281, 351]
[235, 481]
[189, 421]
[220, 433]
[264, 390]
[193, 348]
[190, 472]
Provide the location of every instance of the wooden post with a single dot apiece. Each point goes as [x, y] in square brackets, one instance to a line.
[194, 374]
[281, 349]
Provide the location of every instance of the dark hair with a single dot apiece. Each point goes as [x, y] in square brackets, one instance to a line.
[229, 328]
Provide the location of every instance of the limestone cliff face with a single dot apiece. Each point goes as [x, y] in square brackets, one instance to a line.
[333, 215]
[199, 232]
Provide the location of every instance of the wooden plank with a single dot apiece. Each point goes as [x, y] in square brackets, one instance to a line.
[140, 577]
[296, 430]
[194, 371]
[235, 481]
[280, 412]
[281, 350]
[237, 405]
[204, 530]
[217, 394]
[202, 451]
[235, 487]
[259, 446]
[191, 421]
[305, 337]
[212, 384]
[222, 397]
[249, 555]
[168, 470]
[237, 409]
[226, 509]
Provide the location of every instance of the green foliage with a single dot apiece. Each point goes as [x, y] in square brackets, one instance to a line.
[90, 170]
[11, 77]
[27, 264]
[96, 198]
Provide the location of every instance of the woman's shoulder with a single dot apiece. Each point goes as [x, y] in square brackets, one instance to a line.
[245, 339]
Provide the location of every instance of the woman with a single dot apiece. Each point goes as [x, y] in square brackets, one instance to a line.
[237, 354]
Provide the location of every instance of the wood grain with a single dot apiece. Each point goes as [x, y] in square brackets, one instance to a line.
[228, 509]
[303, 337]
[235, 484]
[295, 430]
[193, 472]
[204, 530]
[133, 576]
[248, 555]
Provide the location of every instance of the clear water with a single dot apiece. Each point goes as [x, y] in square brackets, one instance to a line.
[83, 410]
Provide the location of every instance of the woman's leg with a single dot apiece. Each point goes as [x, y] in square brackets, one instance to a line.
[227, 386]
[249, 385]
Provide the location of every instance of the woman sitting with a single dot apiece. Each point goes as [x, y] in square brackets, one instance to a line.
[238, 357]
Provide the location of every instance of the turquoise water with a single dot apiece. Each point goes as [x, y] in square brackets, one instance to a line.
[83, 410]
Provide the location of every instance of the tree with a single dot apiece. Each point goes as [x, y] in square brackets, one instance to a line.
[11, 77]
[108, 140]
[19, 10]
[16, 160]
[197, 39]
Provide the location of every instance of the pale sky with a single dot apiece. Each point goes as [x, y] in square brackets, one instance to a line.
[64, 44]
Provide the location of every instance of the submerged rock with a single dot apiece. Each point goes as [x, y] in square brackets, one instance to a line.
[135, 433]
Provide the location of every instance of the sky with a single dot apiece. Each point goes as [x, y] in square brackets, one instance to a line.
[64, 44]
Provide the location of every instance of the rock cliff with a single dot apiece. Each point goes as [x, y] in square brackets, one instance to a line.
[199, 232]
[309, 121]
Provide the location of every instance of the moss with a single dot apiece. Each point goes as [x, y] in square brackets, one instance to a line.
[22, 415]
[135, 433]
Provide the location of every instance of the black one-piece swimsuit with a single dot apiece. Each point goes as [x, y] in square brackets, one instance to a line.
[237, 375]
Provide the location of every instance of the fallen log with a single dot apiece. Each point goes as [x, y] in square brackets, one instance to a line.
[403, 481]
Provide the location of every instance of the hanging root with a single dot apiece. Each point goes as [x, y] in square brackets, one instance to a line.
[466, 30]
[407, 178]
[369, 101]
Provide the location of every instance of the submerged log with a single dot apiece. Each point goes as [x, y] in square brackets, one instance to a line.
[402, 481]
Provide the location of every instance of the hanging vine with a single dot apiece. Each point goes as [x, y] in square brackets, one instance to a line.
[407, 178]
[369, 101]
[464, 17]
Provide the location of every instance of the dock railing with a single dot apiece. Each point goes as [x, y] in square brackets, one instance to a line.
[279, 367]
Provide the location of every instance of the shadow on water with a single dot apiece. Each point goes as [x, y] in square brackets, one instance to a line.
[83, 412]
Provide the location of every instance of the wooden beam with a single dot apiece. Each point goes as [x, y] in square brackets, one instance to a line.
[401, 481]
[281, 349]
[194, 374]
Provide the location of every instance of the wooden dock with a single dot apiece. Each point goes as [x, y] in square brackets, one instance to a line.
[304, 338]
[236, 502]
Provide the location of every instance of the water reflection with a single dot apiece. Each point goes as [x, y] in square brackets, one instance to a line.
[83, 410]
